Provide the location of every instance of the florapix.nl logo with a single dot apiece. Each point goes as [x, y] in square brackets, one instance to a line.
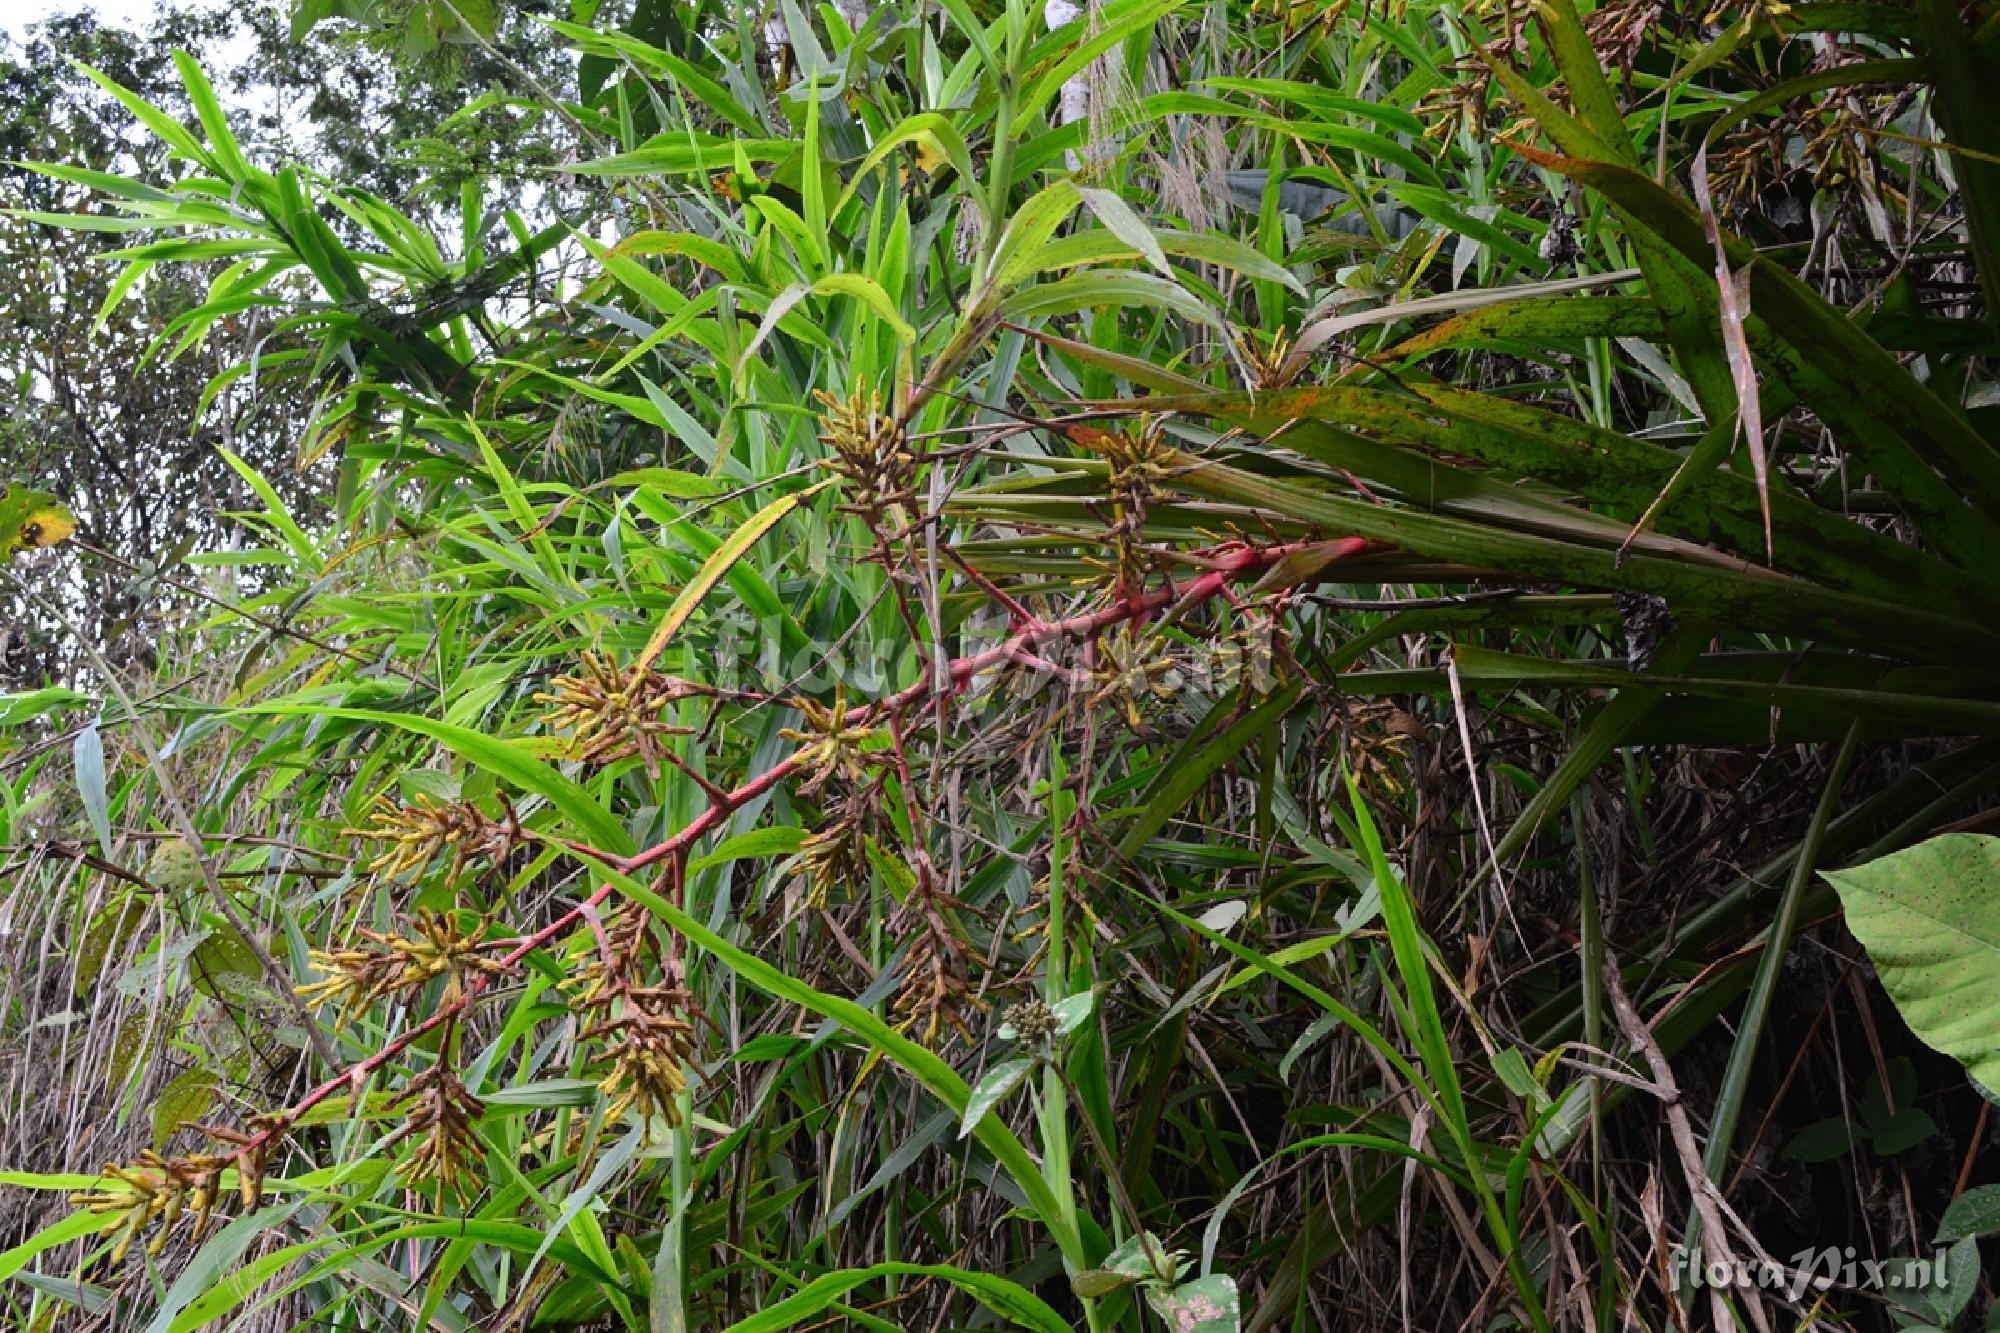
[1830, 1269]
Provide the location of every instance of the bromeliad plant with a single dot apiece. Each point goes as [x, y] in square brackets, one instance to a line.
[955, 533]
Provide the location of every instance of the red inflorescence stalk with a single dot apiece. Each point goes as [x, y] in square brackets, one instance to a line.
[1225, 566]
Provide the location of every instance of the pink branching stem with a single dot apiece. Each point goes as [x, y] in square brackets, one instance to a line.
[1225, 566]
[1023, 617]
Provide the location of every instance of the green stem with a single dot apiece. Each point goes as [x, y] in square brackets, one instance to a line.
[1126, 1204]
[1757, 1008]
[1590, 928]
[1054, 1109]
[1000, 167]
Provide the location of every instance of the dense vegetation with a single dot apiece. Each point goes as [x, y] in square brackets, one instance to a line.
[1132, 665]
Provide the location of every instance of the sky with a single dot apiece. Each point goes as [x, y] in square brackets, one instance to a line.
[16, 15]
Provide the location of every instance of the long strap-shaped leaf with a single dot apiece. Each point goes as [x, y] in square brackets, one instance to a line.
[1681, 289]
[1011, 1299]
[713, 568]
[1614, 470]
[1826, 341]
[1697, 590]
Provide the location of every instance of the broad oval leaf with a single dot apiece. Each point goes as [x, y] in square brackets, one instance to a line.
[1205, 1305]
[1929, 917]
[1972, 1214]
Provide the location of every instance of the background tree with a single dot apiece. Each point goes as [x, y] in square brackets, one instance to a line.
[106, 406]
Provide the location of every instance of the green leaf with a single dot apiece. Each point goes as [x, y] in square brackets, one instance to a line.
[1071, 1012]
[929, 130]
[57, 1233]
[1331, 1005]
[1833, 363]
[164, 127]
[869, 293]
[1972, 1214]
[1102, 29]
[1929, 917]
[187, 1098]
[238, 1284]
[1028, 231]
[713, 568]
[228, 153]
[1537, 320]
[1198, 759]
[1936, 1288]
[670, 482]
[686, 153]
[1963, 71]
[1589, 90]
[223, 954]
[1099, 288]
[1142, 1257]
[89, 755]
[1119, 219]
[808, 247]
[997, 1293]
[1095, 1283]
[32, 520]
[275, 513]
[1821, 1141]
[778, 840]
[214, 1262]
[706, 90]
[990, 1091]
[1903, 1131]
[1206, 1305]
[507, 760]
[18, 708]
[1696, 587]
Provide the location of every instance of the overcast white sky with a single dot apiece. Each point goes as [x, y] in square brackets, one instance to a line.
[16, 15]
